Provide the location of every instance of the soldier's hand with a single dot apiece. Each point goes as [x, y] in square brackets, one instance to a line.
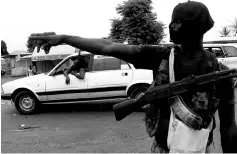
[47, 41]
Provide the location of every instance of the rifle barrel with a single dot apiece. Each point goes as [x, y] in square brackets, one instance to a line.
[123, 109]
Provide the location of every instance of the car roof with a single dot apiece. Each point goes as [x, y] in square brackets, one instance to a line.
[216, 45]
[82, 53]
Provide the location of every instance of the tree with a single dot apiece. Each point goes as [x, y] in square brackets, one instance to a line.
[116, 31]
[225, 31]
[234, 27]
[32, 44]
[137, 24]
[4, 48]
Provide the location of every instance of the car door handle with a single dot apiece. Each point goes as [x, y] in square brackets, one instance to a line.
[125, 74]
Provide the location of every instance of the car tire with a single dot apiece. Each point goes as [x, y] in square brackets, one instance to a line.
[138, 92]
[26, 103]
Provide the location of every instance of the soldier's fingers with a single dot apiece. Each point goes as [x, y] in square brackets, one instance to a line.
[47, 47]
[38, 48]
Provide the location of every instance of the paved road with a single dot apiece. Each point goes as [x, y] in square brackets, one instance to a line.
[72, 130]
[75, 128]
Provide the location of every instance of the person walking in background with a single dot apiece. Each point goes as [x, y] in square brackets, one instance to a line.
[34, 70]
[30, 71]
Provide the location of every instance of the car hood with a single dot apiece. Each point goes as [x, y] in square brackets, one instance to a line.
[26, 81]
[31, 78]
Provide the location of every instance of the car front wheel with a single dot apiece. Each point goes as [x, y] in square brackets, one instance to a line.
[138, 92]
[26, 103]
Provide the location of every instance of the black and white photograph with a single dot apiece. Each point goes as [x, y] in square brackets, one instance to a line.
[118, 76]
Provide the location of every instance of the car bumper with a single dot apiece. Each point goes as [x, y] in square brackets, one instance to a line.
[5, 96]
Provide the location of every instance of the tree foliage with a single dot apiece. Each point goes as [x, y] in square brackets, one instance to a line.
[229, 29]
[4, 48]
[137, 24]
[31, 44]
[225, 31]
[233, 27]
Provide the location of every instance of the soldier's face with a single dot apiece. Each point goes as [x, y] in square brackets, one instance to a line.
[177, 32]
[183, 32]
[176, 26]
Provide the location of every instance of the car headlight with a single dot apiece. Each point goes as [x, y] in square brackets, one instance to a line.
[2, 92]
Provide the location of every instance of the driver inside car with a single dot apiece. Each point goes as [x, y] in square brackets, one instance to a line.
[78, 69]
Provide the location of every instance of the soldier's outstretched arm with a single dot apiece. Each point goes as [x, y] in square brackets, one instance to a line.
[95, 46]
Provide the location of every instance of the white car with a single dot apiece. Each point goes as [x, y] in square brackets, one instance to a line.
[226, 54]
[108, 79]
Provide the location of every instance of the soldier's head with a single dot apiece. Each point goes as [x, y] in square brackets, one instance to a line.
[189, 22]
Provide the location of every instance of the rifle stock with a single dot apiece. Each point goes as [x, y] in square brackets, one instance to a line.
[123, 109]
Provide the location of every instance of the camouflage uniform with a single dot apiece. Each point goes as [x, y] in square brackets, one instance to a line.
[199, 101]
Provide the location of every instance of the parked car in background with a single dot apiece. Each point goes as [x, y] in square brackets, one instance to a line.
[226, 54]
[107, 79]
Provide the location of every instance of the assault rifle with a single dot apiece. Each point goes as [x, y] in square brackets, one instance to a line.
[123, 109]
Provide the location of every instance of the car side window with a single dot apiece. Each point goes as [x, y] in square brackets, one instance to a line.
[86, 60]
[124, 65]
[217, 51]
[66, 64]
[103, 63]
[70, 61]
[208, 49]
[231, 51]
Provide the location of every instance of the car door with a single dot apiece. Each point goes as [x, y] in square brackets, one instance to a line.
[108, 77]
[58, 91]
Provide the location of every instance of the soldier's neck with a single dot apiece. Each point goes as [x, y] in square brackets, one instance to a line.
[192, 49]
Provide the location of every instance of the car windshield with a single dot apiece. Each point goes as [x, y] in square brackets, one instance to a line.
[46, 73]
[66, 64]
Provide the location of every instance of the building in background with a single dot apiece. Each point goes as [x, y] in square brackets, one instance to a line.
[45, 62]
[15, 65]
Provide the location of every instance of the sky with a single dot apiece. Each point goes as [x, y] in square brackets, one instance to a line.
[88, 18]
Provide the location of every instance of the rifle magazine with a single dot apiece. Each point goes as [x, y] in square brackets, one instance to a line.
[184, 113]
